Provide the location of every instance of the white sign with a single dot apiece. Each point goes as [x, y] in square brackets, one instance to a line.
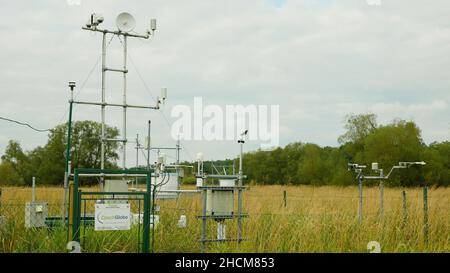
[112, 216]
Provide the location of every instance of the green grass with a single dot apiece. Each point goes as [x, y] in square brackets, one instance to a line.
[315, 220]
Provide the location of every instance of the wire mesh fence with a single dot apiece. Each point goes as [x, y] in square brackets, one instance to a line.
[299, 221]
[95, 223]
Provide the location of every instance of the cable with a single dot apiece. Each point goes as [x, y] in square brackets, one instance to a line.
[162, 180]
[67, 111]
[78, 92]
[148, 90]
[26, 124]
[145, 155]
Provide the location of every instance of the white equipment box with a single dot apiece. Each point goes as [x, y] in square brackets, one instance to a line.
[35, 214]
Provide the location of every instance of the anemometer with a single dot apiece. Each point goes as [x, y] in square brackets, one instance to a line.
[358, 169]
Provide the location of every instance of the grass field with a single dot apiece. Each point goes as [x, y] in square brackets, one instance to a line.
[315, 219]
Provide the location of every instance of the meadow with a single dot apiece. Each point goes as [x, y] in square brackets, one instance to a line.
[310, 219]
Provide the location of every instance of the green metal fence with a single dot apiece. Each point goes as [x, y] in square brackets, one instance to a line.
[133, 239]
[83, 209]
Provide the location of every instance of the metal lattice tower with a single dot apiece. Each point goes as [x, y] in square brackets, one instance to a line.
[125, 24]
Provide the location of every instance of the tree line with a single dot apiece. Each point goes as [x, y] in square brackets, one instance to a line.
[363, 142]
[47, 163]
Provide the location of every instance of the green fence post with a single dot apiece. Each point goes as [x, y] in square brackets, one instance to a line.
[146, 230]
[425, 213]
[66, 168]
[76, 201]
[285, 198]
[77, 238]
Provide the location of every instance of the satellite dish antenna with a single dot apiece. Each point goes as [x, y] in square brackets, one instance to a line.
[125, 22]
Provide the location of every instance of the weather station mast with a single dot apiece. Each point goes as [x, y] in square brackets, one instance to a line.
[125, 23]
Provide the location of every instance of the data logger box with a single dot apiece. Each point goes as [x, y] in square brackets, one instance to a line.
[35, 214]
[219, 202]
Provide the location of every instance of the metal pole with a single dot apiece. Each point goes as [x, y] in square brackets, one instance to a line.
[70, 216]
[240, 163]
[240, 192]
[153, 216]
[199, 171]
[360, 197]
[124, 102]
[103, 106]
[102, 161]
[178, 161]
[204, 222]
[75, 209]
[148, 144]
[285, 198]
[137, 156]
[147, 206]
[33, 190]
[67, 163]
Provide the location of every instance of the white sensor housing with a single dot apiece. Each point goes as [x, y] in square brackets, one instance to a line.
[375, 166]
[163, 93]
[153, 24]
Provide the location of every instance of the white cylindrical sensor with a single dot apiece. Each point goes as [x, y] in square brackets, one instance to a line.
[199, 182]
[146, 143]
[375, 166]
[153, 24]
[163, 93]
[221, 231]
[162, 158]
[182, 222]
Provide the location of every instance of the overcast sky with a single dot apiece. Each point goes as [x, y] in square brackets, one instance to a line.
[319, 60]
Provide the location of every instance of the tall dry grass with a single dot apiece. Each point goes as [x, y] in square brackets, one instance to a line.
[315, 219]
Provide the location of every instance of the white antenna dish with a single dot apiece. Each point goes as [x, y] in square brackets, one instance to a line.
[125, 22]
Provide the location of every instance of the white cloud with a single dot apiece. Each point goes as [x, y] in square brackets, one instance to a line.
[319, 60]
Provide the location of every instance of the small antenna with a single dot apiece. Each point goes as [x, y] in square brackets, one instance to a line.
[153, 25]
[163, 94]
[94, 20]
